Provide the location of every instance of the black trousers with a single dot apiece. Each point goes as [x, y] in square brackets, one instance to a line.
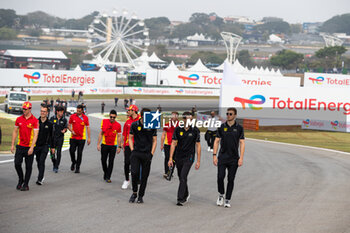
[210, 138]
[166, 158]
[127, 154]
[138, 159]
[232, 169]
[56, 160]
[22, 152]
[41, 153]
[183, 166]
[74, 145]
[107, 152]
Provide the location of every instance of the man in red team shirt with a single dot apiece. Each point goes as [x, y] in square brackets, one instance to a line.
[77, 124]
[133, 116]
[111, 143]
[26, 128]
[166, 139]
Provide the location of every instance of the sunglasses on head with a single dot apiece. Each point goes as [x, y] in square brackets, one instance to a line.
[229, 114]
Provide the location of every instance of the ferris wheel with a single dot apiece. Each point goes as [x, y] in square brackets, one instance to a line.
[115, 38]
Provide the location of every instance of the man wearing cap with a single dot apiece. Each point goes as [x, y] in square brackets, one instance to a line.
[26, 129]
[142, 151]
[110, 135]
[133, 116]
[59, 129]
[78, 124]
[43, 143]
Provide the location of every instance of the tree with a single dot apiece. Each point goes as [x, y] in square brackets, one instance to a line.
[200, 18]
[158, 27]
[287, 59]
[296, 28]
[7, 18]
[339, 23]
[245, 59]
[7, 33]
[274, 27]
[330, 56]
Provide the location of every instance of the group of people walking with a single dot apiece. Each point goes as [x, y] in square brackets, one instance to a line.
[181, 145]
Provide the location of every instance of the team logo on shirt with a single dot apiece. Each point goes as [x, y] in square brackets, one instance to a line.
[30, 125]
[225, 129]
[139, 128]
[114, 131]
[82, 123]
[54, 121]
[181, 133]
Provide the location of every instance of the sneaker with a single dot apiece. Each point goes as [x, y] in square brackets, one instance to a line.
[108, 181]
[25, 188]
[140, 200]
[72, 167]
[104, 177]
[179, 203]
[125, 184]
[208, 149]
[40, 182]
[187, 198]
[220, 201]
[77, 170]
[227, 204]
[211, 150]
[133, 198]
[19, 185]
[165, 176]
[56, 170]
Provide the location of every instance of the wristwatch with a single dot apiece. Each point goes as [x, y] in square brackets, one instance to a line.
[214, 154]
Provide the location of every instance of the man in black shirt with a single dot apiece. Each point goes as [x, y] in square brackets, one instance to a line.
[186, 139]
[142, 144]
[230, 135]
[43, 143]
[60, 127]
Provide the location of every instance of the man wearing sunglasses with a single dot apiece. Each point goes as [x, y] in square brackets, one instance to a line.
[26, 128]
[110, 135]
[77, 124]
[132, 117]
[230, 135]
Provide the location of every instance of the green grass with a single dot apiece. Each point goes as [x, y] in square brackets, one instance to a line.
[295, 135]
[121, 97]
[6, 130]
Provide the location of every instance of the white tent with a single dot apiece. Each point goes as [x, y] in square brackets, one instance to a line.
[172, 66]
[141, 68]
[102, 69]
[155, 59]
[77, 68]
[143, 58]
[199, 67]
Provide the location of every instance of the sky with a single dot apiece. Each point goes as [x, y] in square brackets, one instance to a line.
[294, 11]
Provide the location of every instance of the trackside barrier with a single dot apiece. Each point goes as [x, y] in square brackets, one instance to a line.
[249, 124]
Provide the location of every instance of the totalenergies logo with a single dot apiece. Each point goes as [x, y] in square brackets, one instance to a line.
[60, 90]
[318, 80]
[191, 79]
[93, 90]
[27, 91]
[139, 90]
[306, 123]
[34, 77]
[334, 124]
[254, 100]
[180, 91]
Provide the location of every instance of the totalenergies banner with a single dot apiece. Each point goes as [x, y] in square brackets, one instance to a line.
[213, 79]
[55, 78]
[287, 103]
[341, 126]
[171, 91]
[66, 91]
[326, 80]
